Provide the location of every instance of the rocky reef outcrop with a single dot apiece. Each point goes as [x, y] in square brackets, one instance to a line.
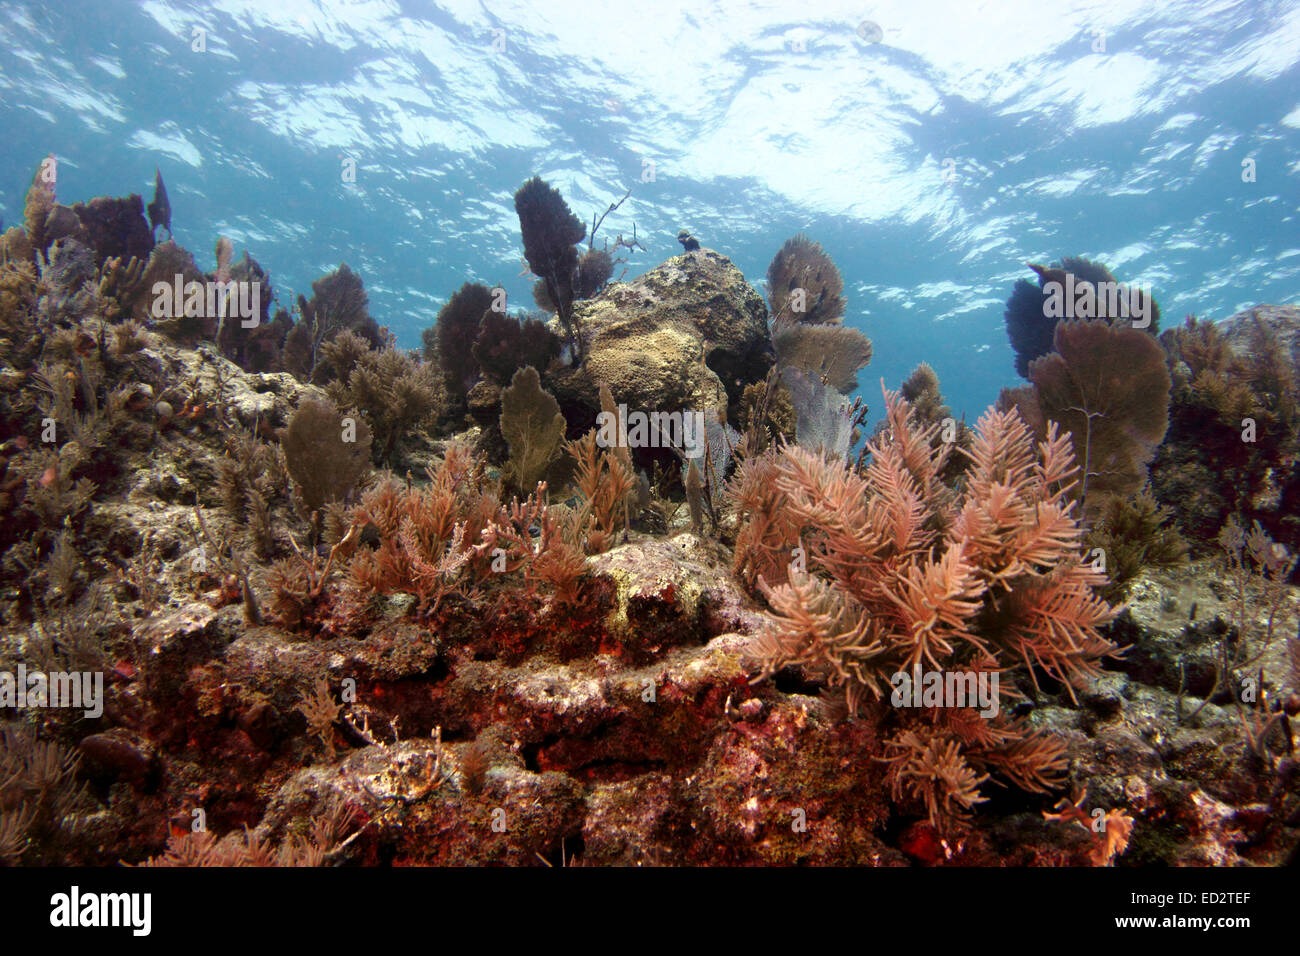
[688, 334]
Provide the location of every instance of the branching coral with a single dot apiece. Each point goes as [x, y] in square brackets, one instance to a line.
[1257, 569]
[19, 341]
[1110, 832]
[605, 483]
[450, 539]
[166, 262]
[256, 346]
[903, 575]
[201, 848]
[250, 479]
[39, 205]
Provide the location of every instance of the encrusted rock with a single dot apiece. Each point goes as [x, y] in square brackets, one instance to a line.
[689, 334]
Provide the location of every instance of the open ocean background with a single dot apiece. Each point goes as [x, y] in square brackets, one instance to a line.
[931, 163]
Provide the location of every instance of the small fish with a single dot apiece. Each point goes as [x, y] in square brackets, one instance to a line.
[160, 210]
[689, 242]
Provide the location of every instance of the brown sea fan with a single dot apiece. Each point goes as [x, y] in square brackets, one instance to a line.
[803, 284]
[1108, 386]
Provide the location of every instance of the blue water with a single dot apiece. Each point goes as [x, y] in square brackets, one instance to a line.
[761, 119]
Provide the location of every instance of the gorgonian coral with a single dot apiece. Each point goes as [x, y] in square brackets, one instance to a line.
[455, 332]
[803, 284]
[533, 427]
[338, 302]
[551, 233]
[326, 452]
[1072, 288]
[451, 538]
[1108, 387]
[889, 571]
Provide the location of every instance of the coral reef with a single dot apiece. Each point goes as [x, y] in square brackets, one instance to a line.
[1234, 429]
[529, 644]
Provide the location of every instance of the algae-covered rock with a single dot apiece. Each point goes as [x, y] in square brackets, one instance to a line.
[1283, 321]
[689, 334]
